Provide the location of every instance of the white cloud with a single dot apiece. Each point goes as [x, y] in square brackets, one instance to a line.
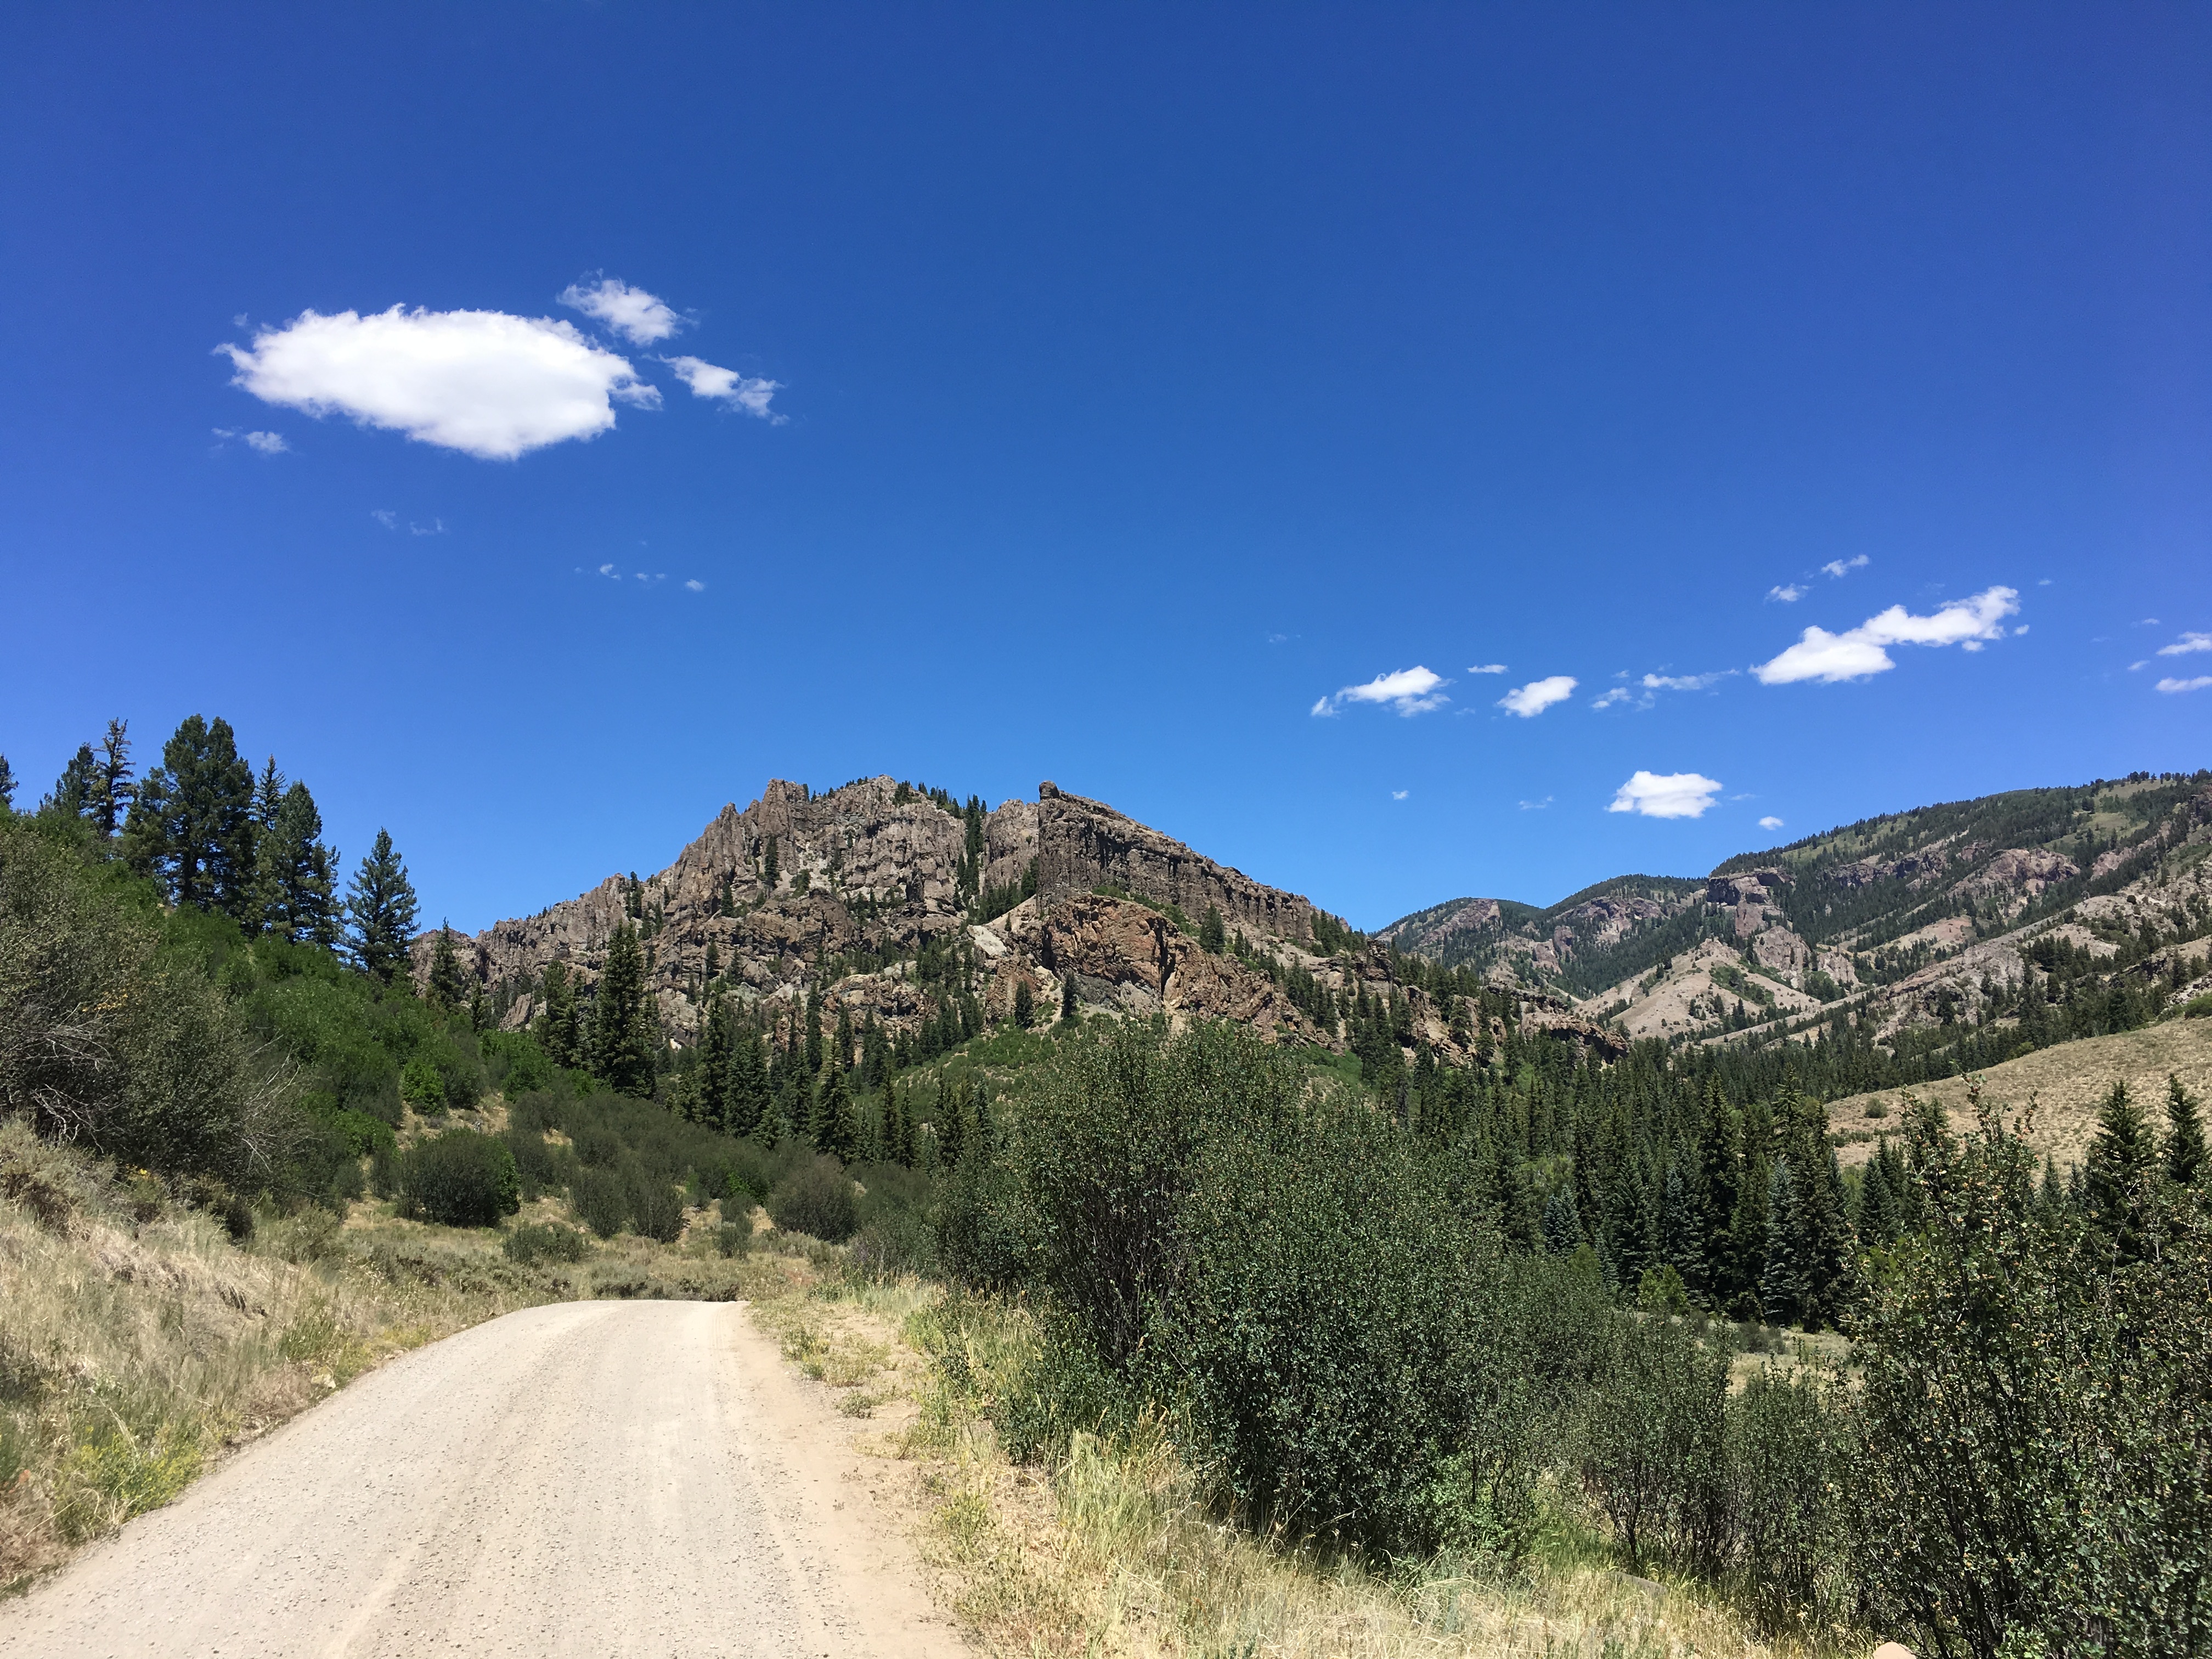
[485, 383]
[706, 381]
[638, 317]
[610, 573]
[2185, 644]
[436, 528]
[2195, 684]
[384, 516]
[1532, 699]
[1488, 668]
[1788, 594]
[1857, 652]
[1841, 567]
[1398, 794]
[1684, 682]
[265, 443]
[1618, 693]
[1535, 806]
[1665, 795]
[1321, 709]
[1770, 823]
[695, 585]
[1410, 691]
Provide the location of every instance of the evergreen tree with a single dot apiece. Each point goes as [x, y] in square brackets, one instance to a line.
[840, 1126]
[716, 1050]
[946, 1126]
[1070, 1008]
[620, 1058]
[1720, 1156]
[1563, 1226]
[2117, 1173]
[769, 872]
[1024, 1004]
[1682, 1244]
[72, 796]
[7, 785]
[843, 1059]
[379, 907]
[294, 874]
[479, 1007]
[190, 825]
[1212, 935]
[810, 1048]
[769, 1131]
[1782, 1285]
[746, 1100]
[447, 986]
[2185, 1135]
[268, 795]
[558, 1032]
[111, 780]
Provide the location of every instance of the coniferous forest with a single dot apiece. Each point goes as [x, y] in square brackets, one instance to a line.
[1400, 1307]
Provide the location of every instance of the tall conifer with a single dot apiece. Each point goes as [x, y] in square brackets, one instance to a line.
[2185, 1135]
[446, 987]
[111, 783]
[716, 1046]
[619, 1057]
[380, 911]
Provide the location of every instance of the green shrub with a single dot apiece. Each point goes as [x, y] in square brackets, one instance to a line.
[656, 1208]
[544, 1241]
[600, 1198]
[1791, 1448]
[420, 1086]
[733, 1238]
[1652, 1452]
[459, 1178]
[815, 1199]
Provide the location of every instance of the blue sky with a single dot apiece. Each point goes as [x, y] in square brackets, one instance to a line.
[1154, 391]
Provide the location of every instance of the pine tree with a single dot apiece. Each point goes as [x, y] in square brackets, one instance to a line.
[746, 1100]
[480, 1018]
[190, 825]
[1070, 1008]
[716, 1047]
[840, 1128]
[769, 872]
[268, 795]
[295, 877]
[111, 786]
[842, 1058]
[1782, 1283]
[1212, 934]
[1720, 1156]
[619, 1057]
[72, 796]
[2185, 1135]
[380, 909]
[447, 985]
[7, 785]
[1563, 1226]
[1682, 1244]
[810, 1052]
[558, 1033]
[946, 1126]
[1025, 1004]
[2117, 1173]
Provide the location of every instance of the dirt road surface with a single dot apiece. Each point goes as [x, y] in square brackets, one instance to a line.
[597, 1478]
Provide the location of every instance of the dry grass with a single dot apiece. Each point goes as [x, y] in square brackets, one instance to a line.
[2066, 1082]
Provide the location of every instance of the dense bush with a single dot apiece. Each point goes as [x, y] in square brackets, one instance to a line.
[656, 1207]
[461, 1178]
[544, 1242]
[600, 1198]
[815, 1198]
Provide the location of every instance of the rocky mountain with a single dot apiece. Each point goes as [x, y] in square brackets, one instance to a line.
[1946, 916]
[901, 905]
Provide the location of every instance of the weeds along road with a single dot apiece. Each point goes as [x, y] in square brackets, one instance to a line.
[594, 1478]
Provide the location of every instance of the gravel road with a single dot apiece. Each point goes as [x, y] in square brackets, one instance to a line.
[597, 1478]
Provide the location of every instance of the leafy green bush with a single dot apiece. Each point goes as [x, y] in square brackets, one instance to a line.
[817, 1198]
[420, 1086]
[544, 1241]
[600, 1198]
[733, 1238]
[459, 1178]
[1653, 1451]
[656, 1207]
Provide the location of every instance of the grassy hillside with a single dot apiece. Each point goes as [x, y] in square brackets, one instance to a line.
[2065, 1083]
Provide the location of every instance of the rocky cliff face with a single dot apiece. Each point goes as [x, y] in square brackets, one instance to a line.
[846, 892]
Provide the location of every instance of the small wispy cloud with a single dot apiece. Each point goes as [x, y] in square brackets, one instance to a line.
[1770, 823]
[1842, 568]
[1488, 668]
[384, 516]
[639, 317]
[1535, 806]
[2197, 684]
[262, 443]
[436, 528]
[727, 385]
[1398, 794]
[1789, 593]
[1685, 682]
[1532, 699]
[1666, 794]
[1858, 652]
[695, 585]
[2186, 644]
[1617, 694]
[1409, 691]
